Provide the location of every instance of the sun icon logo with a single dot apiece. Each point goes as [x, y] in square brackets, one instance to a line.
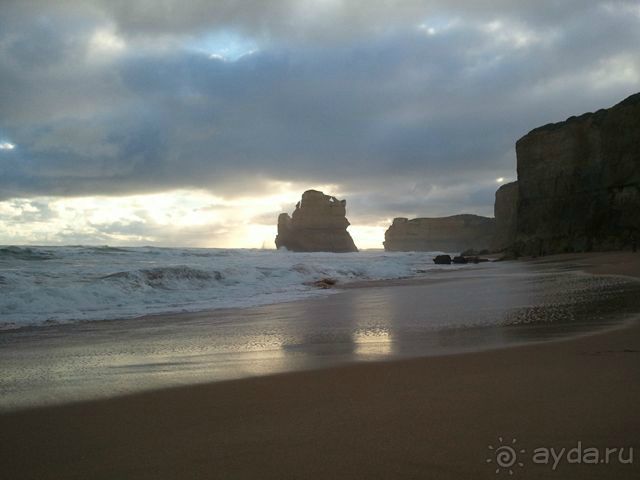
[505, 456]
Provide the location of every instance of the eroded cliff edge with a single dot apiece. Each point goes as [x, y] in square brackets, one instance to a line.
[505, 211]
[579, 183]
[318, 224]
[446, 234]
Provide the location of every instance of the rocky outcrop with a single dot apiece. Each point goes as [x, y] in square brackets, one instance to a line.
[318, 224]
[442, 260]
[446, 234]
[506, 214]
[579, 183]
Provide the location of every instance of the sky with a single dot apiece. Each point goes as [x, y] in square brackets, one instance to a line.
[195, 123]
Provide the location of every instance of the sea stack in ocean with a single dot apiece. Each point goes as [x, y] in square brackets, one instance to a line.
[578, 185]
[318, 224]
[445, 234]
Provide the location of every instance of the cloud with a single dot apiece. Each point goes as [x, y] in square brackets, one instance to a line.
[306, 20]
[407, 108]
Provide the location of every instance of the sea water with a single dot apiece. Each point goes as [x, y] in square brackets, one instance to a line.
[43, 285]
[451, 309]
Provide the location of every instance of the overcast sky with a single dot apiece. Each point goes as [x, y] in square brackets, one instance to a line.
[195, 123]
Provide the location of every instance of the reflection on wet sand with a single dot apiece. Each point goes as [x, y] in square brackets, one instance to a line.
[474, 309]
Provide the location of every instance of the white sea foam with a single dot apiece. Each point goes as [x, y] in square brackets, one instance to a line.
[40, 285]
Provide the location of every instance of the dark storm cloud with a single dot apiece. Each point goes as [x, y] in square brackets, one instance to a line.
[306, 19]
[407, 121]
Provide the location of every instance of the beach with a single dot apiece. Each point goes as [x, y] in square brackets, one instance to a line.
[319, 239]
[431, 416]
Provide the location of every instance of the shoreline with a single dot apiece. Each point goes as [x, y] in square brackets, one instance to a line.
[630, 324]
[424, 416]
[595, 263]
[364, 322]
[389, 419]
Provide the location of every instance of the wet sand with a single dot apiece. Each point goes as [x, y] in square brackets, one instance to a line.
[414, 418]
[477, 308]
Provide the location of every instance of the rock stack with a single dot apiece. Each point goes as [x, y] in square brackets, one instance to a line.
[318, 224]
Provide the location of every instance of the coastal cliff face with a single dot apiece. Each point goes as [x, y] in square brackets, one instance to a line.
[446, 234]
[506, 213]
[579, 183]
[318, 224]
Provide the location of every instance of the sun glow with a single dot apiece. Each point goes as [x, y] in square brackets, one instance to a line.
[224, 46]
[105, 43]
[193, 218]
[367, 236]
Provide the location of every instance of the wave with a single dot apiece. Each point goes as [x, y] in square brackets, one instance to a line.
[99, 283]
[166, 277]
[25, 253]
[104, 250]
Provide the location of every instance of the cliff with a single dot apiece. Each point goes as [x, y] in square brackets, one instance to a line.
[446, 234]
[318, 224]
[506, 213]
[579, 182]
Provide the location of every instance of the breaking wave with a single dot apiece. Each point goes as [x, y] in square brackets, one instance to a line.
[97, 283]
[166, 277]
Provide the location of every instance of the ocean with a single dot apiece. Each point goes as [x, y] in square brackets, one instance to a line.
[84, 341]
[45, 285]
